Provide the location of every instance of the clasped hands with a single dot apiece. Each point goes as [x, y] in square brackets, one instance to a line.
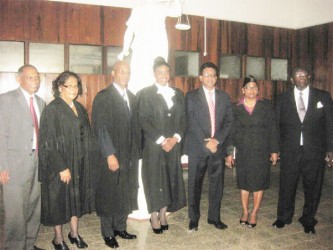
[169, 143]
[211, 144]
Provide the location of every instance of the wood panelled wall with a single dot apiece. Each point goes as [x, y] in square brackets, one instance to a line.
[67, 23]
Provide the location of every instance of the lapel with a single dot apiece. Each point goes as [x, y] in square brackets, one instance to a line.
[119, 100]
[24, 105]
[292, 104]
[311, 104]
[205, 110]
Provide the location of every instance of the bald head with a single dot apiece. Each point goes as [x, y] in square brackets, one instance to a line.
[121, 74]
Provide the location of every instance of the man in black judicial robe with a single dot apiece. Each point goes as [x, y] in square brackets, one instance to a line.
[114, 121]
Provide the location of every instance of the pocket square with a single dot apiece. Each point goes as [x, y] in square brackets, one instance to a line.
[319, 105]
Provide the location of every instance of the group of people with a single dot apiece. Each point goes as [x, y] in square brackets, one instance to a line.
[85, 168]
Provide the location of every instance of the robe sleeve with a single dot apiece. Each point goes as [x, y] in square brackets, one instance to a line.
[49, 144]
[99, 121]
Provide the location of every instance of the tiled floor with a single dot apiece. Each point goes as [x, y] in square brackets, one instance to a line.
[263, 236]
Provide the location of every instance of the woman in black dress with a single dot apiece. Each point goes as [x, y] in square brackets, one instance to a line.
[64, 160]
[254, 136]
[162, 119]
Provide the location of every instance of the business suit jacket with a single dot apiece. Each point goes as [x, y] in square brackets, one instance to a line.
[199, 126]
[308, 160]
[16, 135]
[21, 194]
[317, 127]
[200, 158]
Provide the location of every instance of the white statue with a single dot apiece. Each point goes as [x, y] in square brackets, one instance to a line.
[146, 36]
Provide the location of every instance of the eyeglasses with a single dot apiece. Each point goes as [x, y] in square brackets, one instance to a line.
[71, 86]
[209, 75]
[251, 88]
[301, 74]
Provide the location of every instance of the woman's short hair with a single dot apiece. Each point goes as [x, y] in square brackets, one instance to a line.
[160, 61]
[249, 78]
[61, 80]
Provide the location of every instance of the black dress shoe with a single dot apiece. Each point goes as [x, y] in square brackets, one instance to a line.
[278, 224]
[111, 242]
[61, 246]
[218, 224]
[300, 220]
[78, 241]
[165, 227]
[309, 230]
[193, 225]
[37, 248]
[124, 235]
[252, 225]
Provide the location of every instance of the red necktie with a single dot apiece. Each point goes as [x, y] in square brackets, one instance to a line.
[34, 119]
[211, 106]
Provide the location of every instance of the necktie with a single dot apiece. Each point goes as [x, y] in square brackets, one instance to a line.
[301, 107]
[34, 118]
[211, 106]
[126, 103]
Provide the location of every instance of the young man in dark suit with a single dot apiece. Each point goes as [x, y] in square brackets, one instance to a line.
[305, 122]
[209, 119]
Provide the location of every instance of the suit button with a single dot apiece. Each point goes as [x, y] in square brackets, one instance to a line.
[169, 114]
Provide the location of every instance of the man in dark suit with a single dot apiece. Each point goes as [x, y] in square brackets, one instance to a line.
[115, 123]
[20, 110]
[305, 122]
[209, 119]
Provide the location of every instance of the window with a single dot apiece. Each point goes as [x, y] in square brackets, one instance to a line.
[12, 56]
[47, 58]
[112, 57]
[230, 66]
[85, 59]
[186, 63]
[279, 69]
[255, 66]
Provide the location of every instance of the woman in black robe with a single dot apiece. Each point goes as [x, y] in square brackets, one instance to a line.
[254, 135]
[64, 160]
[162, 119]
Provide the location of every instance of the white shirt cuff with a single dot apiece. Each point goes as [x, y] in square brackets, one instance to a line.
[184, 159]
[178, 137]
[160, 140]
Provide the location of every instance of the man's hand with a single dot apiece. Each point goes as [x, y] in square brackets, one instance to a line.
[169, 143]
[113, 163]
[229, 161]
[4, 177]
[329, 159]
[211, 144]
[65, 176]
[274, 158]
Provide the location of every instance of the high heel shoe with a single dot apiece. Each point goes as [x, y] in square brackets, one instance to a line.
[156, 230]
[253, 225]
[61, 246]
[243, 223]
[165, 227]
[77, 240]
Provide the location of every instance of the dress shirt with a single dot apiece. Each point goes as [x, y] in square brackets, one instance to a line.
[305, 96]
[27, 98]
[123, 93]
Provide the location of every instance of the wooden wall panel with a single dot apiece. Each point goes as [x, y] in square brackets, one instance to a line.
[83, 24]
[54, 22]
[47, 23]
[14, 20]
[114, 25]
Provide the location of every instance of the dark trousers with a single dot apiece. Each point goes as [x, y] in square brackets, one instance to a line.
[311, 167]
[197, 169]
[111, 223]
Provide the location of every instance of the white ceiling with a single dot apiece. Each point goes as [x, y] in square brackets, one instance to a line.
[292, 14]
